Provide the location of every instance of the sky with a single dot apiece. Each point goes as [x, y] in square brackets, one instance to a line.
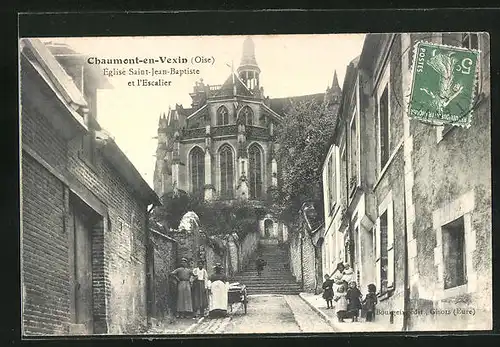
[291, 65]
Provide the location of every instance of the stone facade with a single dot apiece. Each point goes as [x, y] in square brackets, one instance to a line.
[416, 194]
[78, 273]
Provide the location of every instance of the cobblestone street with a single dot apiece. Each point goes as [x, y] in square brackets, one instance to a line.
[267, 314]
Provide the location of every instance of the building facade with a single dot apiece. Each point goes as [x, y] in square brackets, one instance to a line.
[223, 147]
[408, 204]
[84, 248]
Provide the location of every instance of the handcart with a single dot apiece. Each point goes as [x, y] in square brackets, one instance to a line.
[237, 293]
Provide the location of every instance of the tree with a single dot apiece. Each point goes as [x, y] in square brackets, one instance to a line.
[216, 217]
[304, 139]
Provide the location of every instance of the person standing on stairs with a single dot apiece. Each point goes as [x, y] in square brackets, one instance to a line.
[260, 263]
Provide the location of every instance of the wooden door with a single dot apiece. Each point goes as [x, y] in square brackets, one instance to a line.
[83, 271]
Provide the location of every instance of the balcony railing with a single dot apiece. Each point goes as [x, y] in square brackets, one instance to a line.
[225, 130]
[193, 133]
[255, 131]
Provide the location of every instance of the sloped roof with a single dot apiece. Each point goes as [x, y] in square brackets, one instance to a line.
[281, 105]
[66, 56]
[227, 87]
[56, 73]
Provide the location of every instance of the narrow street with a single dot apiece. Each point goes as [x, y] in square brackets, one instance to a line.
[267, 314]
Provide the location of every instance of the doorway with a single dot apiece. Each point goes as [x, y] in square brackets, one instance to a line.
[84, 220]
[269, 228]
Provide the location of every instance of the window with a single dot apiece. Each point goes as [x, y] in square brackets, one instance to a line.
[384, 250]
[347, 252]
[324, 257]
[470, 40]
[454, 254]
[384, 127]
[255, 174]
[226, 171]
[353, 153]
[247, 115]
[222, 116]
[262, 121]
[332, 181]
[197, 162]
[343, 169]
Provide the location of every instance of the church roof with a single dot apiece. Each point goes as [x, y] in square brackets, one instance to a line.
[281, 105]
[227, 87]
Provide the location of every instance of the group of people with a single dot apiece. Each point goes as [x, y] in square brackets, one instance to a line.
[342, 288]
[196, 291]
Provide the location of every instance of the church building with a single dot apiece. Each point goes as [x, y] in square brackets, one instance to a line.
[223, 147]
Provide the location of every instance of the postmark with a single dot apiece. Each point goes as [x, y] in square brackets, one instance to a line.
[444, 84]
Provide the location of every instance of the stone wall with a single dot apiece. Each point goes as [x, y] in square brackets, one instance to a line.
[304, 261]
[165, 260]
[247, 247]
[294, 245]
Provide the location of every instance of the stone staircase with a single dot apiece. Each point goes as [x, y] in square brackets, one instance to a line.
[276, 277]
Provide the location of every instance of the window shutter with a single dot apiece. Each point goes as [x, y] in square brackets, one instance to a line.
[390, 245]
[377, 254]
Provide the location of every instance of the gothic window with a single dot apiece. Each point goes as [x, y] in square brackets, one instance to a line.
[197, 161]
[226, 171]
[255, 172]
[222, 116]
[262, 121]
[247, 113]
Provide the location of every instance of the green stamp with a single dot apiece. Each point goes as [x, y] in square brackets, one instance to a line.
[444, 82]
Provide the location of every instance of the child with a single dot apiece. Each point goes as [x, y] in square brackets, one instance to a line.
[328, 291]
[348, 274]
[341, 300]
[370, 302]
[354, 301]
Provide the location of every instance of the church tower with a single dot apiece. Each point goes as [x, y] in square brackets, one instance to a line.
[249, 71]
[333, 95]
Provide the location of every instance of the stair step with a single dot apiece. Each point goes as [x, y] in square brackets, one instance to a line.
[276, 278]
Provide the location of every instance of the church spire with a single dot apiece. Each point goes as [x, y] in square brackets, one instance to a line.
[335, 83]
[248, 57]
[249, 71]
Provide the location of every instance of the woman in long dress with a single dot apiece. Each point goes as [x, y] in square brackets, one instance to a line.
[199, 290]
[218, 299]
[183, 276]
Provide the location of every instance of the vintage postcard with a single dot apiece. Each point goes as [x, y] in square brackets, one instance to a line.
[197, 185]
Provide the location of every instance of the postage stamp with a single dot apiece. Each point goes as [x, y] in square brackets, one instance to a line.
[444, 82]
